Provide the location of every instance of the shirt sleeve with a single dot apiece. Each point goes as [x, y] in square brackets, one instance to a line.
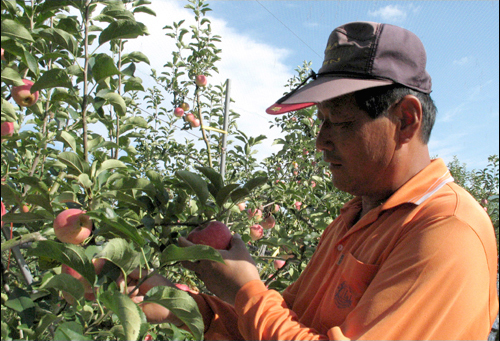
[433, 285]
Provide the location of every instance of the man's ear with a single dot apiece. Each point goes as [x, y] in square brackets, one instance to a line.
[409, 113]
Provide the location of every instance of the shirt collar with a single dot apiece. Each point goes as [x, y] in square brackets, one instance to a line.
[422, 186]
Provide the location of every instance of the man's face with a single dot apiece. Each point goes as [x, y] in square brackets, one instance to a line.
[358, 148]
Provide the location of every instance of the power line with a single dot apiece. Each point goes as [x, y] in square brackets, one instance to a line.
[288, 29]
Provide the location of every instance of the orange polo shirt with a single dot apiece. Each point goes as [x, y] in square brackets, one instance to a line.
[421, 266]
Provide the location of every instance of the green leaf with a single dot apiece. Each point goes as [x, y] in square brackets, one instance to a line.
[11, 77]
[61, 38]
[212, 175]
[196, 183]
[20, 301]
[239, 194]
[74, 161]
[133, 84]
[135, 56]
[255, 182]
[12, 29]
[67, 283]
[116, 101]
[224, 194]
[52, 79]
[122, 29]
[131, 183]
[110, 164]
[181, 304]
[119, 226]
[129, 313]
[67, 138]
[8, 112]
[31, 62]
[85, 180]
[70, 331]
[41, 200]
[121, 253]
[144, 9]
[138, 121]
[103, 67]
[22, 217]
[69, 254]
[174, 253]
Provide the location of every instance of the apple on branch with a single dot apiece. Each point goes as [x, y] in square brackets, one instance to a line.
[7, 128]
[22, 94]
[178, 112]
[72, 226]
[269, 222]
[256, 232]
[201, 81]
[215, 234]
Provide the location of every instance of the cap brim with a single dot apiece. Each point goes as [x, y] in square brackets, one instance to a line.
[277, 109]
[322, 89]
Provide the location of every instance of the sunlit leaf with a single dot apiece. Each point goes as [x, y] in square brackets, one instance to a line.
[129, 313]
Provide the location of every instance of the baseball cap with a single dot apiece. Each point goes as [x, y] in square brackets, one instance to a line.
[358, 56]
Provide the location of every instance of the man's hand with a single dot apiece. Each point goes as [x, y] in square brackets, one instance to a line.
[225, 280]
[155, 313]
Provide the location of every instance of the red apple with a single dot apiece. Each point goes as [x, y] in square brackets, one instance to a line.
[22, 94]
[269, 222]
[7, 128]
[179, 112]
[313, 183]
[215, 234]
[278, 264]
[256, 232]
[3, 212]
[3, 54]
[298, 204]
[195, 123]
[148, 337]
[256, 214]
[201, 81]
[185, 106]
[242, 206]
[72, 226]
[88, 290]
[276, 208]
[25, 209]
[484, 202]
[98, 264]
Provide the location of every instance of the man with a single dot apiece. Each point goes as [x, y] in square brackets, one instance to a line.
[412, 256]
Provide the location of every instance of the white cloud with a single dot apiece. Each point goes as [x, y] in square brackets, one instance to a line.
[462, 61]
[255, 69]
[390, 13]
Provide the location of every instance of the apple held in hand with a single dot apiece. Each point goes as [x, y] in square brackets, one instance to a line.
[201, 80]
[22, 94]
[72, 226]
[7, 128]
[215, 234]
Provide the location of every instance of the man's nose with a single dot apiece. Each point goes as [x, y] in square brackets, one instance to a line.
[322, 141]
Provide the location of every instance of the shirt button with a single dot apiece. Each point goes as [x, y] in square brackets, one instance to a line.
[340, 247]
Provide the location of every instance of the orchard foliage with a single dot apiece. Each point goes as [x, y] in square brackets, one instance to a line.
[99, 141]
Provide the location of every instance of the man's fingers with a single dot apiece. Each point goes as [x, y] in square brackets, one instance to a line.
[183, 242]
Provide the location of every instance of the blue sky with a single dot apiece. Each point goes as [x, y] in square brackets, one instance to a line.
[264, 41]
